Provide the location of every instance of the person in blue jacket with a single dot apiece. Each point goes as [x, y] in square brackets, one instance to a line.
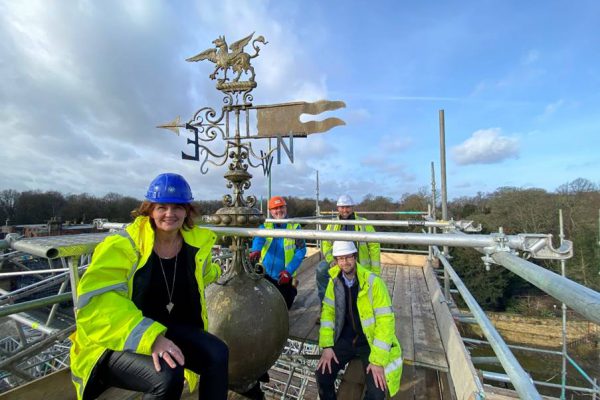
[280, 257]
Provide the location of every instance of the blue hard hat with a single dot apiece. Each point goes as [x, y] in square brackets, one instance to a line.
[169, 188]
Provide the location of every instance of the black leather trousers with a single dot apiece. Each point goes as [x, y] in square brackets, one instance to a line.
[204, 353]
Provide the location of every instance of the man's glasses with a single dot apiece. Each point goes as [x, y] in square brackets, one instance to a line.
[344, 258]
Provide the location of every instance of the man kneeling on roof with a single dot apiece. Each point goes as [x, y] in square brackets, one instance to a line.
[357, 321]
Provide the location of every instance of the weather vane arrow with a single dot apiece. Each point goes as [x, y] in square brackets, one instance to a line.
[173, 125]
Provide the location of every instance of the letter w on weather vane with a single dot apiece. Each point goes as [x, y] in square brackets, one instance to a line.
[232, 123]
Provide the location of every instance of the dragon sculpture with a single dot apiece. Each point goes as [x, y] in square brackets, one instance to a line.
[233, 57]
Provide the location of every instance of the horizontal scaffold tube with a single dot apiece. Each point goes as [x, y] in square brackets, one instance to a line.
[30, 305]
[58, 246]
[372, 222]
[33, 288]
[495, 376]
[518, 377]
[383, 212]
[73, 245]
[23, 319]
[515, 242]
[578, 297]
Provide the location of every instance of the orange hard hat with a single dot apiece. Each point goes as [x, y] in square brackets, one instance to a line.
[276, 201]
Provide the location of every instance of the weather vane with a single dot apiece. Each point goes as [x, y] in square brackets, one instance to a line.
[232, 126]
[242, 298]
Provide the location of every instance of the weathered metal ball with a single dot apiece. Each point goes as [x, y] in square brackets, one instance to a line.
[252, 318]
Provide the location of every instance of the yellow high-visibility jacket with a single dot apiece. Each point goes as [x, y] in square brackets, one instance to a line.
[376, 318]
[107, 318]
[368, 252]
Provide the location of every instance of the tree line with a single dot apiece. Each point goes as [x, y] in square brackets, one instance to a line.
[516, 210]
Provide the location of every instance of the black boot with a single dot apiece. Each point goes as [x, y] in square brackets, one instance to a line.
[265, 377]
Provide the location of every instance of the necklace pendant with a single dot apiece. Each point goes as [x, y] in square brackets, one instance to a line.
[170, 306]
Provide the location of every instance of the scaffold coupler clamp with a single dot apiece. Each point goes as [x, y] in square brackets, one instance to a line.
[501, 244]
[466, 226]
[539, 246]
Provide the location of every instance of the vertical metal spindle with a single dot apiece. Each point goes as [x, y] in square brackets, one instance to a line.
[444, 194]
[564, 316]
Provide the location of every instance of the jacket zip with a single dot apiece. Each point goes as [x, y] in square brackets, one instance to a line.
[352, 317]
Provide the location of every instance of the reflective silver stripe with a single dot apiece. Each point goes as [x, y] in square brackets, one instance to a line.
[85, 298]
[126, 235]
[290, 247]
[327, 300]
[79, 383]
[204, 266]
[371, 280]
[375, 264]
[133, 267]
[134, 338]
[393, 366]
[367, 322]
[327, 324]
[383, 310]
[382, 345]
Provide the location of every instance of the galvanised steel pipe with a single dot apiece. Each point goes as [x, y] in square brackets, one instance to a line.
[32, 272]
[382, 212]
[59, 246]
[113, 225]
[373, 222]
[33, 288]
[513, 346]
[425, 239]
[494, 376]
[36, 347]
[518, 376]
[74, 245]
[22, 319]
[578, 297]
[38, 326]
[30, 305]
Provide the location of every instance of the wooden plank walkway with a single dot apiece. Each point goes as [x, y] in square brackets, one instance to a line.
[416, 326]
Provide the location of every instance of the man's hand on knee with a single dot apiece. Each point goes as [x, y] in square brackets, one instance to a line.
[325, 360]
[378, 375]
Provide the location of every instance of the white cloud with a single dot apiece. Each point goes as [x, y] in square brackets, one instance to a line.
[486, 146]
[395, 142]
[86, 86]
[531, 57]
[551, 108]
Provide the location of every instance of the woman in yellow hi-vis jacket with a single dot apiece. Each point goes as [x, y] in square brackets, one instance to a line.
[357, 321]
[141, 312]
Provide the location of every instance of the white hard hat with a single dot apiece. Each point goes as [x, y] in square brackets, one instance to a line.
[345, 200]
[343, 248]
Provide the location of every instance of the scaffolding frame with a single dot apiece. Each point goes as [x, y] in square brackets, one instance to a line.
[296, 363]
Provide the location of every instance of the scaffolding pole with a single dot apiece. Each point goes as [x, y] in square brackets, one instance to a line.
[518, 377]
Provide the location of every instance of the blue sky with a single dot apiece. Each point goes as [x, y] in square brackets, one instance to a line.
[84, 83]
